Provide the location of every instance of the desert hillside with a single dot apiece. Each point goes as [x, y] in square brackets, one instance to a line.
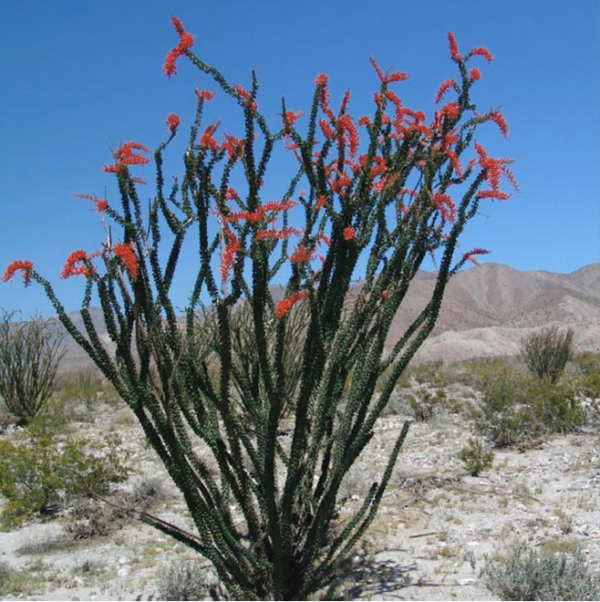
[486, 311]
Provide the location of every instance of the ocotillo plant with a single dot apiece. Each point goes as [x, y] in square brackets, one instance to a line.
[370, 197]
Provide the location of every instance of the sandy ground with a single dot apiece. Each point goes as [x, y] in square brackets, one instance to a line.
[429, 541]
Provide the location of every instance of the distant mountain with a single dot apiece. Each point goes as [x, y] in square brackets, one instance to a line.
[486, 311]
[489, 308]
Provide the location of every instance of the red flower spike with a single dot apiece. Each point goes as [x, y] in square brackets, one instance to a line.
[445, 205]
[125, 157]
[454, 47]
[282, 234]
[204, 95]
[24, 265]
[301, 255]
[186, 41]
[345, 101]
[248, 101]
[390, 77]
[126, 253]
[173, 122]
[321, 201]
[229, 254]
[470, 255]
[493, 194]
[101, 204]
[495, 168]
[290, 117]
[72, 269]
[444, 87]
[499, 120]
[474, 74]
[339, 184]
[349, 233]
[233, 146]
[207, 140]
[284, 306]
[346, 126]
[324, 99]
[484, 52]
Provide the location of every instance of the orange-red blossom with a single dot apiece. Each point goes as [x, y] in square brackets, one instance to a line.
[126, 253]
[24, 265]
[284, 306]
[186, 41]
[126, 156]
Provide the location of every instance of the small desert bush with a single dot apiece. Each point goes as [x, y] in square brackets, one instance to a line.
[426, 372]
[148, 491]
[187, 580]
[525, 575]
[90, 519]
[86, 387]
[475, 457]
[422, 402]
[30, 353]
[547, 352]
[479, 372]
[40, 469]
[516, 407]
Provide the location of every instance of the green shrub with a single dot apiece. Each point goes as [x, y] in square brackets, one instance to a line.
[90, 519]
[423, 402]
[188, 580]
[40, 471]
[516, 407]
[525, 575]
[475, 457]
[478, 373]
[547, 352]
[30, 353]
[588, 366]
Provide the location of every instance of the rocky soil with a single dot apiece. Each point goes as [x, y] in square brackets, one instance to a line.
[429, 541]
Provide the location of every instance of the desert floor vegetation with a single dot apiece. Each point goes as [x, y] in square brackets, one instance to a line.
[467, 513]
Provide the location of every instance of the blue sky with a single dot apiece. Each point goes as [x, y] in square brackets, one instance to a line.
[79, 78]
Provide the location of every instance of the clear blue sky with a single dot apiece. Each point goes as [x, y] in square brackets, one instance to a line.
[78, 78]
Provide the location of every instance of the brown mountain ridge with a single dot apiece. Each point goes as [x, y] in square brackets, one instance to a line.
[486, 311]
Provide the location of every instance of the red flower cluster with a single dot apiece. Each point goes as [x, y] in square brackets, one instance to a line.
[470, 255]
[494, 169]
[186, 41]
[229, 254]
[207, 140]
[173, 122]
[301, 254]
[204, 95]
[126, 253]
[349, 233]
[454, 47]
[445, 205]
[398, 76]
[281, 234]
[125, 157]
[444, 87]
[246, 98]
[101, 204]
[24, 265]
[284, 306]
[78, 257]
